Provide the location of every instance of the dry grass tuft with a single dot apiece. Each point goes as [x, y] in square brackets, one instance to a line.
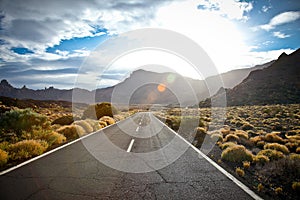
[27, 149]
[237, 153]
[108, 120]
[231, 138]
[273, 137]
[278, 147]
[3, 157]
[240, 172]
[85, 125]
[271, 154]
[296, 186]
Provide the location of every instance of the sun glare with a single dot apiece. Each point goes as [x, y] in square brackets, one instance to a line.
[161, 87]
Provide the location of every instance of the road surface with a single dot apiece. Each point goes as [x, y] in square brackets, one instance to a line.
[77, 170]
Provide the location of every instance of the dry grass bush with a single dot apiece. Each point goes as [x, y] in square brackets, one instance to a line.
[273, 137]
[27, 149]
[63, 120]
[298, 150]
[227, 144]
[256, 139]
[240, 172]
[246, 164]
[216, 136]
[85, 125]
[99, 110]
[94, 124]
[294, 156]
[108, 120]
[54, 138]
[247, 126]
[260, 187]
[225, 130]
[200, 134]
[242, 134]
[3, 157]
[278, 147]
[119, 117]
[102, 124]
[271, 154]
[278, 190]
[296, 186]
[71, 131]
[261, 159]
[237, 153]
[231, 138]
[260, 144]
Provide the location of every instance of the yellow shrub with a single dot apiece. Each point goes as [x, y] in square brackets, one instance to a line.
[54, 138]
[278, 190]
[94, 124]
[261, 159]
[231, 138]
[271, 154]
[3, 157]
[296, 186]
[108, 120]
[256, 139]
[27, 149]
[273, 137]
[200, 135]
[237, 153]
[278, 147]
[227, 144]
[246, 164]
[294, 156]
[242, 134]
[260, 187]
[240, 172]
[260, 144]
[298, 150]
[85, 125]
[216, 137]
[71, 131]
[102, 124]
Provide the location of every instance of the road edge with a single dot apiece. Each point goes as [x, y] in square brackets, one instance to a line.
[218, 167]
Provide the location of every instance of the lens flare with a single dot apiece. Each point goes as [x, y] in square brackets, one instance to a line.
[161, 87]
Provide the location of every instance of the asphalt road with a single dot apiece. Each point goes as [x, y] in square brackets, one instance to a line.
[168, 168]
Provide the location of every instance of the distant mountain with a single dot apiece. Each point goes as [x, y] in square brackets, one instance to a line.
[277, 84]
[178, 89]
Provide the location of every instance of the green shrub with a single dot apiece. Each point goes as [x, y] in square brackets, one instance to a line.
[3, 157]
[27, 149]
[17, 121]
[54, 138]
[271, 154]
[99, 110]
[261, 159]
[278, 147]
[108, 120]
[64, 120]
[237, 153]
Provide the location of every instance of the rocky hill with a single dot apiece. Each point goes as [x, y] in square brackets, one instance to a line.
[277, 84]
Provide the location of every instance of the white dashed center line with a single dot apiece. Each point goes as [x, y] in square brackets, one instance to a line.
[130, 145]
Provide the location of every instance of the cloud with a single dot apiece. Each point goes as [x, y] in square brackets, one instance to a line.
[266, 8]
[280, 19]
[280, 35]
[231, 8]
[36, 25]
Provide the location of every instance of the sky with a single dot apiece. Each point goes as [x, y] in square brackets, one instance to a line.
[45, 43]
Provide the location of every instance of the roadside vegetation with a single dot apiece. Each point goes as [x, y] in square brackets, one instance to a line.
[260, 145]
[29, 132]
